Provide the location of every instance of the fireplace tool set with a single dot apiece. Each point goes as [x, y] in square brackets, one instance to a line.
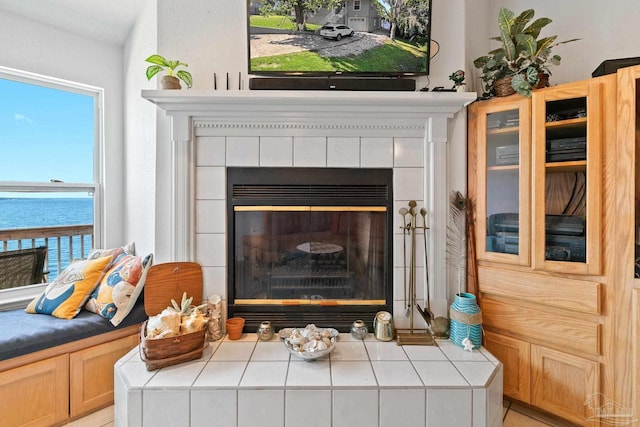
[415, 336]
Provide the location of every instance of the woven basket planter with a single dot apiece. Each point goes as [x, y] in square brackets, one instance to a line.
[161, 352]
[502, 87]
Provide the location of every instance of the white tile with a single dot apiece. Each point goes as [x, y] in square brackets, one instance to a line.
[408, 183]
[221, 374]
[211, 216]
[231, 351]
[402, 408]
[376, 152]
[214, 282]
[424, 352]
[297, 406]
[211, 249]
[217, 407]
[270, 351]
[400, 251]
[355, 408]
[479, 410]
[476, 373]
[309, 374]
[210, 151]
[395, 374]
[135, 374]
[402, 319]
[384, 350]
[488, 355]
[343, 152]
[276, 151]
[263, 408]
[127, 403]
[440, 374]
[130, 354]
[408, 152]
[165, 408]
[453, 352]
[211, 183]
[346, 336]
[449, 407]
[349, 350]
[352, 374]
[495, 398]
[309, 151]
[265, 374]
[181, 375]
[243, 151]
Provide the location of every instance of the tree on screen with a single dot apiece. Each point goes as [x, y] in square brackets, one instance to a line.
[298, 10]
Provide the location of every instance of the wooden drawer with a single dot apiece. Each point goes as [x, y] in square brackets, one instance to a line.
[567, 294]
[542, 326]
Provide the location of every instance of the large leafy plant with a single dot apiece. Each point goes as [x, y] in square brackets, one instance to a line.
[160, 64]
[523, 55]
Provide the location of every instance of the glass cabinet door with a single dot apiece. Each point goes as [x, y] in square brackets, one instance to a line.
[502, 149]
[567, 178]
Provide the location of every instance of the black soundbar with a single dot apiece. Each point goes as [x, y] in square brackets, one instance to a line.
[326, 83]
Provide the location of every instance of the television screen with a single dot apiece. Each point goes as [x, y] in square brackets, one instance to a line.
[339, 37]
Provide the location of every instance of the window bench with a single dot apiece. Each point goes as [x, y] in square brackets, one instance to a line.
[54, 370]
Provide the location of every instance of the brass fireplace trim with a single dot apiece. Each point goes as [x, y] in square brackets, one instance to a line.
[310, 208]
[325, 302]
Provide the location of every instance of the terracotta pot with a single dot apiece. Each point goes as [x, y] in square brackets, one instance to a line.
[234, 327]
[170, 82]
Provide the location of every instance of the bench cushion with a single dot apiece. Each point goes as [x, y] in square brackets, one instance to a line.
[23, 333]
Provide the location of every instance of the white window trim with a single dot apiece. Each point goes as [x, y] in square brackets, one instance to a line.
[359, 5]
[19, 297]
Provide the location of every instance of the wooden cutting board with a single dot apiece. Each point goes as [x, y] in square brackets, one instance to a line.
[169, 281]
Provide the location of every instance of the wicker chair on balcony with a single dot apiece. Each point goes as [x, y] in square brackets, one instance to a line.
[22, 267]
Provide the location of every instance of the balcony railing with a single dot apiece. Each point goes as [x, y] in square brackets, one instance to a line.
[64, 244]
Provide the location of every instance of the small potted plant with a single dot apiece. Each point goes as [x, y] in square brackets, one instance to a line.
[170, 81]
[457, 77]
[522, 63]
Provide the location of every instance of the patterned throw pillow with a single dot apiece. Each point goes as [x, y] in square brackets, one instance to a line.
[65, 296]
[120, 288]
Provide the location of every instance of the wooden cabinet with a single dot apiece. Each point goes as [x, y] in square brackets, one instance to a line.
[515, 355]
[561, 383]
[545, 228]
[91, 376]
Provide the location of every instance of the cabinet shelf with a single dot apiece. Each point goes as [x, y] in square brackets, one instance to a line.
[503, 168]
[571, 166]
[579, 122]
[499, 131]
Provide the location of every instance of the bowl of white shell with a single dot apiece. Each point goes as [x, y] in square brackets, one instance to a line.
[309, 343]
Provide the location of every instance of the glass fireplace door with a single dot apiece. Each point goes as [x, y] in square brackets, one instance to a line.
[321, 255]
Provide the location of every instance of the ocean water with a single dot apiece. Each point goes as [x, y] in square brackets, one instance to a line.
[16, 213]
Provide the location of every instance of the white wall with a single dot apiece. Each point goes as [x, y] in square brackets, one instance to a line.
[139, 163]
[608, 30]
[31, 46]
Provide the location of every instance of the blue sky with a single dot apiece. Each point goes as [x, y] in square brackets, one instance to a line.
[45, 134]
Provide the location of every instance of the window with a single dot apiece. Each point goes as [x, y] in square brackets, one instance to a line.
[356, 4]
[50, 149]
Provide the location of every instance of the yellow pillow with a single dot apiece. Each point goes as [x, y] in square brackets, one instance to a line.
[65, 296]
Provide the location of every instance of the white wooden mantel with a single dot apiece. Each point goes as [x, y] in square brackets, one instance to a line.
[312, 113]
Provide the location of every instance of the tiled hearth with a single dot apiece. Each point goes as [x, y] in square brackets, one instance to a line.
[360, 384]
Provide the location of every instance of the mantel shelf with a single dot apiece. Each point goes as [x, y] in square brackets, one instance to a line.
[417, 103]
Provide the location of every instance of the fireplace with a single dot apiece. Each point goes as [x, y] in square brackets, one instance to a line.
[210, 131]
[309, 245]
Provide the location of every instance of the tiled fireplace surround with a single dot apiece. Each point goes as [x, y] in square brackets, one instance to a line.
[362, 383]
[406, 131]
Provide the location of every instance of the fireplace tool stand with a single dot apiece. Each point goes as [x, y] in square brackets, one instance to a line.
[415, 336]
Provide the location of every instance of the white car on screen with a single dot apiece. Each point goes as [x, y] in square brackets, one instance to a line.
[335, 31]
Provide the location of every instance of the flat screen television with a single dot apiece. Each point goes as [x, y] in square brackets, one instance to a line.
[339, 37]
